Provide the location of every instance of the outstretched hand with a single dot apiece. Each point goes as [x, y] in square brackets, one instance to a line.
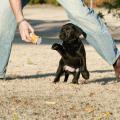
[25, 29]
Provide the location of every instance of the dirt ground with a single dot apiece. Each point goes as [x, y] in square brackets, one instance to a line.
[29, 94]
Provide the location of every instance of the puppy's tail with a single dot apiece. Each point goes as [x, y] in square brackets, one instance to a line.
[85, 75]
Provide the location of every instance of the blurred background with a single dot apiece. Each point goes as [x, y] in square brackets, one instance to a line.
[94, 3]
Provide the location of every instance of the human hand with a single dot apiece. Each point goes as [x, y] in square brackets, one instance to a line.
[25, 29]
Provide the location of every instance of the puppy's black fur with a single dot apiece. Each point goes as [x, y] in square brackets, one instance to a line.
[72, 53]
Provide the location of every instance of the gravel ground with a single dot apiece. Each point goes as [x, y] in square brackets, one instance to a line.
[29, 94]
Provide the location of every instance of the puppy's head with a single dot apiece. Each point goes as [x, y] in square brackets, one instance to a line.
[70, 32]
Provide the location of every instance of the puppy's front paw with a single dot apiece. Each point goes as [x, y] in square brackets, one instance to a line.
[75, 81]
[56, 46]
[56, 80]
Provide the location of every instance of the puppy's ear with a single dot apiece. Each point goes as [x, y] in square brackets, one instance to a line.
[80, 33]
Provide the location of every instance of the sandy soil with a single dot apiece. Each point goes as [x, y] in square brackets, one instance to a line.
[29, 94]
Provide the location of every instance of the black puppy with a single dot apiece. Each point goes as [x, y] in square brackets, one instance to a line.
[73, 55]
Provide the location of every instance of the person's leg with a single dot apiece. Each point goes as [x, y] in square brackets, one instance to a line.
[97, 33]
[7, 30]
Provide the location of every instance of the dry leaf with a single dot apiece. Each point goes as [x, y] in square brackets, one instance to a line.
[50, 102]
[15, 116]
[91, 94]
[73, 108]
[89, 108]
[29, 62]
[104, 115]
[107, 114]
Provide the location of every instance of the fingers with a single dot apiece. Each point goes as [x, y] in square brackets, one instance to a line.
[31, 29]
[25, 36]
[25, 29]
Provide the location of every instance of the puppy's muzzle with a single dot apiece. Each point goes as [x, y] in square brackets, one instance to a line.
[62, 36]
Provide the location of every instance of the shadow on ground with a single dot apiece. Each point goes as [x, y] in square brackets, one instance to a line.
[101, 71]
[103, 80]
[25, 77]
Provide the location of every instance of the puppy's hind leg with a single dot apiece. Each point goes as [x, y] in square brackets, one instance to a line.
[66, 77]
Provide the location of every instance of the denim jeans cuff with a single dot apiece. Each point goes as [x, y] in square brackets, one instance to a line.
[2, 75]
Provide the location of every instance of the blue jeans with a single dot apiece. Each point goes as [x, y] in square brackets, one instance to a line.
[7, 31]
[78, 13]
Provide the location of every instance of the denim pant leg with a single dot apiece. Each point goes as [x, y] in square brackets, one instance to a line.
[97, 33]
[7, 31]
